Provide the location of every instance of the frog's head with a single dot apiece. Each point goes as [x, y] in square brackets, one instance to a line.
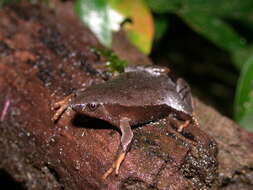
[92, 109]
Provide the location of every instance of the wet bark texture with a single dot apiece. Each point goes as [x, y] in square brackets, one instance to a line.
[44, 56]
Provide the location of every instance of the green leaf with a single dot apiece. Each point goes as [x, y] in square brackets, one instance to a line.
[210, 7]
[218, 7]
[100, 18]
[240, 56]
[161, 25]
[206, 18]
[247, 121]
[244, 94]
[103, 17]
[140, 30]
[164, 6]
[114, 63]
[215, 30]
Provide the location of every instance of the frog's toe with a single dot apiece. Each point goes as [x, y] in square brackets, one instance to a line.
[119, 161]
[61, 103]
[61, 106]
[115, 166]
[108, 172]
[59, 112]
[182, 126]
[57, 105]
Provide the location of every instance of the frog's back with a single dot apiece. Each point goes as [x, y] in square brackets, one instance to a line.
[131, 89]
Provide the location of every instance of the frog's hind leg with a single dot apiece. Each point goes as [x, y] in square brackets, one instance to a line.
[126, 139]
[61, 106]
[187, 123]
[184, 125]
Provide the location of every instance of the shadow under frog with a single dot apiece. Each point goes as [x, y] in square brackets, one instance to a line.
[139, 95]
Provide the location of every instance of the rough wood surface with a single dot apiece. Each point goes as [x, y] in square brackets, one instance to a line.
[43, 59]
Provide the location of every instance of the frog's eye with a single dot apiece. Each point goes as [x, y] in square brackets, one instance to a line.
[93, 106]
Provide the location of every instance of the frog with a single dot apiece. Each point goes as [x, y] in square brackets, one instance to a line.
[139, 95]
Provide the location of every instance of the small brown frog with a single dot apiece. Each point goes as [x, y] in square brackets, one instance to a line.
[139, 95]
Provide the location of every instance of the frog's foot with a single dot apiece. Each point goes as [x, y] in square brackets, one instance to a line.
[115, 166]
[61, 106]
[184, 125]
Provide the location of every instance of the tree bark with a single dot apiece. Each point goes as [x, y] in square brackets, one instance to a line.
[45, 55]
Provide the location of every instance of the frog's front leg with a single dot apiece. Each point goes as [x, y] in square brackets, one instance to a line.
[61, 107]
[126, 139]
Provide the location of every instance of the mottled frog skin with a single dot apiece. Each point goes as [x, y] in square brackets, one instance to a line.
[139, 95]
